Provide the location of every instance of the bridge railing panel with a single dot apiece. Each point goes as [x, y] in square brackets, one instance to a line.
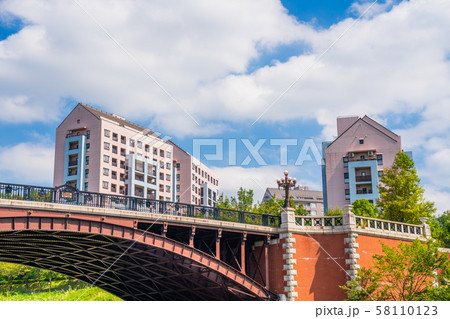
[68, 195]
[387, 225]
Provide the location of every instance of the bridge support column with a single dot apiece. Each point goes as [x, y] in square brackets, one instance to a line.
[191, 236]
[218, 237]
[243, 240]
[164, 229]
[287, 227]
[266, 261]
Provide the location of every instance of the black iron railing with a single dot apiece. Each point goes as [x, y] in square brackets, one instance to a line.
[69, 195]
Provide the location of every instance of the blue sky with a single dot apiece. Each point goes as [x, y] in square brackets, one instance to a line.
[389, 64]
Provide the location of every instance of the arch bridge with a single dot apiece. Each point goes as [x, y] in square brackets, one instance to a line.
[138, 249]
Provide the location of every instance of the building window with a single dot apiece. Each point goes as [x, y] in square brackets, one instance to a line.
[106, 158]
[139, 144]
[105, 184]
[87, 160]
[346, 176]
[115, 137]
[178, 166]
[168, 188]
[106, 146]
[345, 159]
[78, 121]
[86, 186]
[380, 159]
[88, 134]
[178, 198]
[114, 149]
[168, 166]
[169, 154]
[86, 173]
[347, 192]
[161, 164]
[88, 147]
[313, 213]
[167, 177]
[178, 177]
[362, 157]
[161, 176]
[155, 151]
[123, 139]
[178, 188]
[107, 133]
[106, 171]
[313, 205]
[361, 141]
[113, 175]
[380, 174]
[113, 188]
[131, 143]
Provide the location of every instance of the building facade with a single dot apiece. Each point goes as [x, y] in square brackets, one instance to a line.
[101, 152]
[353, 163]
[312, 201]
[195, 182]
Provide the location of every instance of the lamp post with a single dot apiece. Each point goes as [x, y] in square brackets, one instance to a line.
[286, 183]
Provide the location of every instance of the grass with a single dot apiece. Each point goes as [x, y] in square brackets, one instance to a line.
[83, 294]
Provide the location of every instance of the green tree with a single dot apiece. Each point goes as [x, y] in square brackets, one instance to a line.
[334, 211]
[362, 207]
[243, 201]
[440, 228]
[406, 272]
[401, 196]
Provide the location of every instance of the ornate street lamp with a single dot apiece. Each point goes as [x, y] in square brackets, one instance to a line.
[286, 183]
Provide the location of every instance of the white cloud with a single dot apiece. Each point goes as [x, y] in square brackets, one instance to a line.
[439, 197]
[27, 163]
[62, 53]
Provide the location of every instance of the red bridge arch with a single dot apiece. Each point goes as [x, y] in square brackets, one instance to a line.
[127, 262]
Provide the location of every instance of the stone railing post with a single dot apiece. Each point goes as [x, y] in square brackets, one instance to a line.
[349, 219]
[349, 222]
[426, 228]
[287, 227]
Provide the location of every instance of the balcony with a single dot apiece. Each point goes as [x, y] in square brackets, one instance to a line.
[367, 178]
[363, 192]
[139, 177]
[73, 145]
[73, 162]
[72, 172]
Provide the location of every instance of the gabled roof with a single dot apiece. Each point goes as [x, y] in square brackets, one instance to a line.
[367, 120]
[297, 194]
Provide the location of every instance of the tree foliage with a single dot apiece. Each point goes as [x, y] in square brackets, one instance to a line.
[334, 211]
[401, 196]
[244, 202]
[362, 207]
[409, 271]
[440, 228]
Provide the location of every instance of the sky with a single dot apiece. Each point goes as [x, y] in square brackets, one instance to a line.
[244, 77]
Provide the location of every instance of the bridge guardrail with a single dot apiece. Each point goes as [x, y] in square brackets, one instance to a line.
[361, 222]
[66, 194]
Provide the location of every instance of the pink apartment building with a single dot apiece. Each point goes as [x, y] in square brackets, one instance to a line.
[354, 161]
[196, 183]
[100, 152]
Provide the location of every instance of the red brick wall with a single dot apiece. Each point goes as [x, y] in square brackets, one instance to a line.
[369, 246]
[276, 262]
[319, 261]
